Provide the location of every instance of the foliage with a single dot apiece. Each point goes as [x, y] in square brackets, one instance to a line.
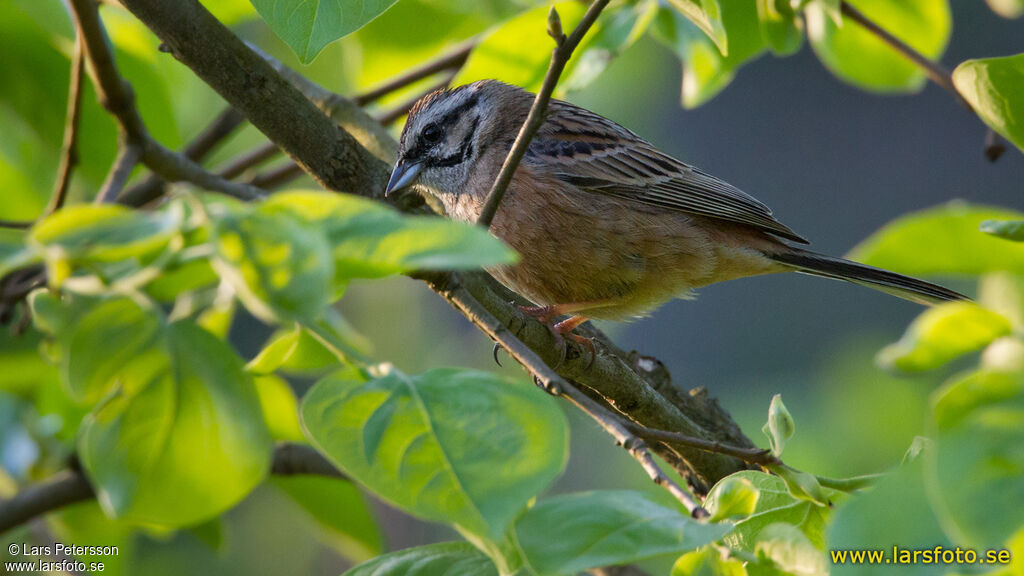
[128, 362]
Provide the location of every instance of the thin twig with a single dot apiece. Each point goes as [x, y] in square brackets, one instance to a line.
[937, 73]
[277, 176]
[117, 97]
[447, 61]
[564, 47]
[128, 155]
[389, 117]
[69, 148]
[752, 455]
[235, 167]
[71, 486]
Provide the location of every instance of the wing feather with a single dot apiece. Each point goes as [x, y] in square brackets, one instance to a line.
[597, 155]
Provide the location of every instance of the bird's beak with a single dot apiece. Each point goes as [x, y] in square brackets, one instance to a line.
[402, 176]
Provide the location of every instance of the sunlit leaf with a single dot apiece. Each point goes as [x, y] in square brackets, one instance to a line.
[342, 513]
[184, 440]
[787, 550]
[979, 460]
[707, 562]
[433, 444]
[781, 27]
[859, 57]
[280, 408]
[706, 15]
[105, 232]
[705, 71]
[943, 333]
[993, 87]
[280, 268]
[943, 240]
[447, 559]
[776, 504]
[309, 25]
[369, 240]
[276, 352]
[780, 426]
[575, 532]
[102, 342]
[734, 496]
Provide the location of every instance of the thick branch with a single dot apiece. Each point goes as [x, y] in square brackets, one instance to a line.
[564, 47]
[70, 486]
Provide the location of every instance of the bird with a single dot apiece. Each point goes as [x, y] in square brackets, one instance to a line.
[606, 225]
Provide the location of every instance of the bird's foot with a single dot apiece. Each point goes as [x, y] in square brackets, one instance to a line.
[560, 331]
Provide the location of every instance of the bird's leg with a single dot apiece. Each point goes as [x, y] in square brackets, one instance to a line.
[562, 330]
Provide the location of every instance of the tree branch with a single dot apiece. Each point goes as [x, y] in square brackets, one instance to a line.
[70, 486]
[117, 97]
[452, 60]
[564, 47]
[237, 166]
[937, 73]
[69, 148]
[128, 155]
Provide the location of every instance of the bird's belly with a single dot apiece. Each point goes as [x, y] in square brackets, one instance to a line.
[627, 259]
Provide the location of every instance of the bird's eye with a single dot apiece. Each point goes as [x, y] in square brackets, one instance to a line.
[431, 134]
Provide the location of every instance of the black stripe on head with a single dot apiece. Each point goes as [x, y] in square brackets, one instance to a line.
[465, 150]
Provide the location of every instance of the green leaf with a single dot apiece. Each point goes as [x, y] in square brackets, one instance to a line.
[781, 27]
[105, 232]
[802, 485]
[615, 31]
[433, 444]
[281, 269]
[575, 532]
[780, 426]
[733, 496]
[706, 15]
[1007, 229]
[280, 408]
[370, 240]
[276, 351]
[896, 512]
[184, 440]
[707, 562]
[84, 524]
[102, 342]
[941, 334]
[446, 559]
[789, 551]
[943, 240]
[993, 87]
[13, 251]
[706, 72]
[979, 457]
[308, 26]
[857, 56]
[1007, 8]
[776, 504]
[182, 277]
[341, 512]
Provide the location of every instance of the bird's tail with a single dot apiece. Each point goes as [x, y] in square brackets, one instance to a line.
[890, 282]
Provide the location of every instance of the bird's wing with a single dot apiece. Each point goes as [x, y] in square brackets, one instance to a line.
[599, 156]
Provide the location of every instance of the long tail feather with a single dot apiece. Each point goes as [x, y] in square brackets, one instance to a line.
[890, 282]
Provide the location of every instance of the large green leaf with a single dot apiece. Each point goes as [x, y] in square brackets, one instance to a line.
[280, 268]
[309, 25]
[857, 56]
[572, 533]
[994, 87]
[979, 457]
[370, 240]
[446, 559]
[774, 504]
[433, 444]
[943, 333]
[707, 562]
[706, 72]
[184, 440]
[105, 232]
[943, 240]
[102, 342]
[706, 15]
[341, 512]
